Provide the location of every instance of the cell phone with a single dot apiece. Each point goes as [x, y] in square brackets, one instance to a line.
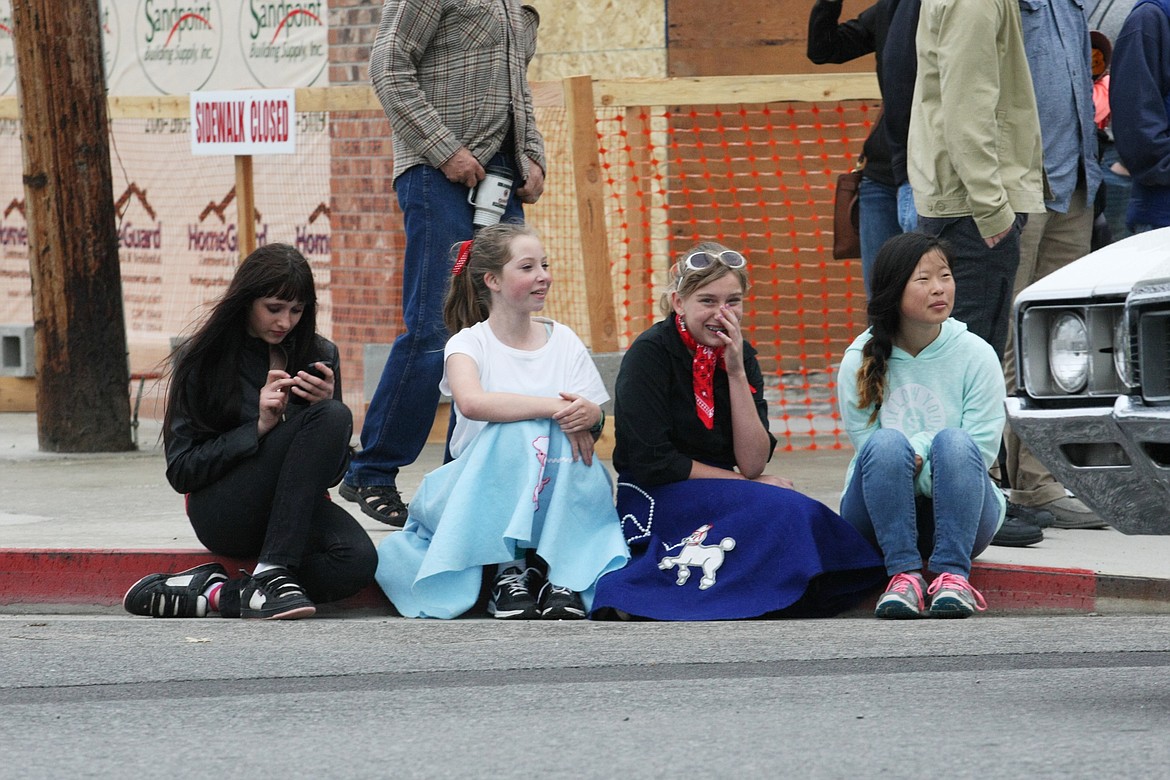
[312, 369]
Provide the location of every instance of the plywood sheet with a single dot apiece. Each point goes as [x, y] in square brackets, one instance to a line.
[754, 37]
[603, 38]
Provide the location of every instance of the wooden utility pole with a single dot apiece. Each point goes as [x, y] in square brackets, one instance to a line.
[83, 379]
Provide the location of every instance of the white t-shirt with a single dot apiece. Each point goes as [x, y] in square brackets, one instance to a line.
[562, 364]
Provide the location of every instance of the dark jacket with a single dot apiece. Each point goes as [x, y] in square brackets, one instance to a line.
[830, 42]
[657, 433]
[899, 69]
[196, 459]
[1139, 97]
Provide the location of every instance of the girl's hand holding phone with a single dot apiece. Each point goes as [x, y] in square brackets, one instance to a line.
[314, 383]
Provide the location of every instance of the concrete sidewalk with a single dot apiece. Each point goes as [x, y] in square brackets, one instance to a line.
[77, 530]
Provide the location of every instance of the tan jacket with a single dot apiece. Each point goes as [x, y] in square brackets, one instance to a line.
[974, 147]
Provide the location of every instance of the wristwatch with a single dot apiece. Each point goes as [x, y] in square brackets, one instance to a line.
[600, 426]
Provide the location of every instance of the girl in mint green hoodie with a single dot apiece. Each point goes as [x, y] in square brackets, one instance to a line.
[922, 402]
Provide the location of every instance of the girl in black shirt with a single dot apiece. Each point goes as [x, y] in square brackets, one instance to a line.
[692, 442]
[255, 434]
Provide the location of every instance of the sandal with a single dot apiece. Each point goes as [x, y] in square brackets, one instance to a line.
[381, 502]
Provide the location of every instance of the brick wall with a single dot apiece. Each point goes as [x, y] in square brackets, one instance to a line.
[366, 223]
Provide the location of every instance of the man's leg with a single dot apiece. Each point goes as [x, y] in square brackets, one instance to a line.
[1048, 242]
[878, 214]
[436, 215]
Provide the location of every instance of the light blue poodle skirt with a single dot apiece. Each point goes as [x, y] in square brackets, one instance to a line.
[514, 488]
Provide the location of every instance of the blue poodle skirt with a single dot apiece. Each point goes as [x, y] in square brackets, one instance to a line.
[515, 488]
[710, 549]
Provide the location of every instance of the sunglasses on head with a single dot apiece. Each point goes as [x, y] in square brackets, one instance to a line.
[701, 259]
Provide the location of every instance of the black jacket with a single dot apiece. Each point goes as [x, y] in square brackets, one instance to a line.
[657, 433]
[900, 69]
[195, 459]
[830, 42]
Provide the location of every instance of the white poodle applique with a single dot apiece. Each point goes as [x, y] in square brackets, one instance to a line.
[709, 557]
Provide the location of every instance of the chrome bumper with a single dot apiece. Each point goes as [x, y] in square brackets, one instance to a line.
[1116, 460]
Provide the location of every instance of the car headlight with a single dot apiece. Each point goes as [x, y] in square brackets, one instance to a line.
[1068, 353]
[1070, 350]
[1121, 357]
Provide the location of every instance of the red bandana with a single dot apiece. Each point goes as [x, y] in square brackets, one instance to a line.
[702, 372]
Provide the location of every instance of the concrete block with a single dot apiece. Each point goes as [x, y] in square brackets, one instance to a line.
[373, 361]
[16, 351]
[608, 364]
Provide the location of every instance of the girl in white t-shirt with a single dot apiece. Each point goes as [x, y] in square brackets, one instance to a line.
[524, 492]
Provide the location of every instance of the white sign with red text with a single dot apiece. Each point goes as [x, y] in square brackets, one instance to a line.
[243, 122]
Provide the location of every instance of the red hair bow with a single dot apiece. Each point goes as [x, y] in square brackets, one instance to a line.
[462, 258]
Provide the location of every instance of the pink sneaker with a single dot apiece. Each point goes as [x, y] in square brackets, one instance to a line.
[903, 598]
[953, 597]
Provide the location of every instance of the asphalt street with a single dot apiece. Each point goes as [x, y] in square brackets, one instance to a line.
[105, 696]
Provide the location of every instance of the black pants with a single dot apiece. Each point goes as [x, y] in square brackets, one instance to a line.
[275, 507]
[984, 276]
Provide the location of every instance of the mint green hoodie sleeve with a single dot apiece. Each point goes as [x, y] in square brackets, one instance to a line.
[983, 397]
[923, 484]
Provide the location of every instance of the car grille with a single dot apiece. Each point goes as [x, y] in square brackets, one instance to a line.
[1149, 331]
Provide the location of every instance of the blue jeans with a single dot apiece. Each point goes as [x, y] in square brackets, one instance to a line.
[907, 212]
[1117, 189]
[950, 529]
[878, 217]
[436, 215]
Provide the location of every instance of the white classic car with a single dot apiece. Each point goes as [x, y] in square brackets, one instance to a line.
[1093, 359]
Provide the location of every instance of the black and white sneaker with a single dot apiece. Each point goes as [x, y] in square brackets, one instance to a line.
[512, 595]
[557, 603]
[274, 595]
[174, 595]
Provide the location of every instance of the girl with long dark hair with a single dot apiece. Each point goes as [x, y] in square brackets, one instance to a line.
[255, 434]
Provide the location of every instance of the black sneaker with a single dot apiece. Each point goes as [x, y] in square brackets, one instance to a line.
[512, 595]
[1032, 515]
[1017, 533]
[174, 595]
[274, 595]
[557, 603]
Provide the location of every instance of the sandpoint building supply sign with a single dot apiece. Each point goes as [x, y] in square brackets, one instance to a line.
[243, 122]
[173, 47]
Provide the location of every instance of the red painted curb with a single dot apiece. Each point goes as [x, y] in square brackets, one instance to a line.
[1014, 589]
[101, 578]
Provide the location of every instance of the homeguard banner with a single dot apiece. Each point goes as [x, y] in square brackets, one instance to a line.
[177, 222]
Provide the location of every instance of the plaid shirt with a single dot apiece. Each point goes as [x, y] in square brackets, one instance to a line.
[454, 73]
